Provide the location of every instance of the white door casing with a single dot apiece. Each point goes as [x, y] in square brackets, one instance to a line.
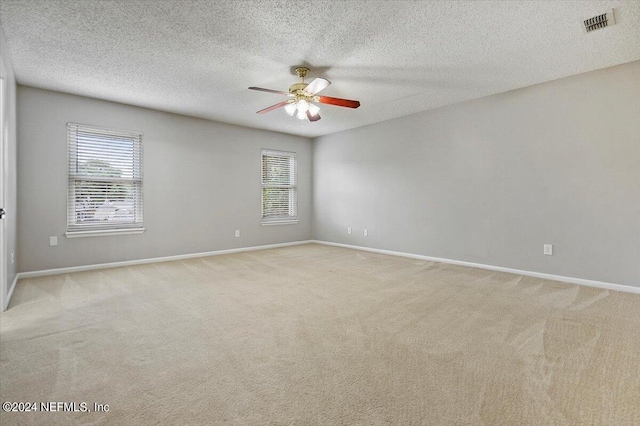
[3, 182]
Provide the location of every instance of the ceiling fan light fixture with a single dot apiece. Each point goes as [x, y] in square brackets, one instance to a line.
[303, 106]
[301, 115]
[290, 108]
[313, 109]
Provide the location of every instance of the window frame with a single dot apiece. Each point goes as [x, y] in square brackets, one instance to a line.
[136, 226]
[293, 188]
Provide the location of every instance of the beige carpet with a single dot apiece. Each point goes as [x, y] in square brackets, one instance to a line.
[320, 335]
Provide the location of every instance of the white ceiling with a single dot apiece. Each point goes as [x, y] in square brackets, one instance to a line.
[396, 57]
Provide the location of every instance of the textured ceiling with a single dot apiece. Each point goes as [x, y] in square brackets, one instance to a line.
[397, 57]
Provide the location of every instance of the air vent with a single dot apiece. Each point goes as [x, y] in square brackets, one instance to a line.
[599, 21]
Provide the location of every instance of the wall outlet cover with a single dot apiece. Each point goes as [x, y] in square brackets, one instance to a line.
[366, 233]
[237, 233]
[53, 241]
[349, 230]
[548, 249]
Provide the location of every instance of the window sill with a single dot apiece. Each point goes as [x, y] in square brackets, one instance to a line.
[279, 222]
[103, 233]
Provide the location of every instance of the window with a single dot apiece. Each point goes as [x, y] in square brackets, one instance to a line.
[279, 187]
[105, 181]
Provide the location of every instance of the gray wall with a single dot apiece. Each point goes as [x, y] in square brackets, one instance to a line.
[11, 186]
[201, 182]
[490, 181]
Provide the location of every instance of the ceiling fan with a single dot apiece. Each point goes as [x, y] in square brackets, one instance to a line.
[303, 95]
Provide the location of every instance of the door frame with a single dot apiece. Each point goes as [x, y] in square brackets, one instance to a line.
[4, 161]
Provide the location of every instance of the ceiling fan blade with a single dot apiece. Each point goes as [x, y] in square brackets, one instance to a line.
[317, 85]
[339, 102]
[312, 117]
[272, 107]
[279, 92]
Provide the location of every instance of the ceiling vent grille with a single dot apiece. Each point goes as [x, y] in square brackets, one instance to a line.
[598, 22]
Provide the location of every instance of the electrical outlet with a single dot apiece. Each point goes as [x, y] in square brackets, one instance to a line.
[366, 233]
[13, 257]
[548, 249]
[349, 230]
[237, 233]
[53, 241]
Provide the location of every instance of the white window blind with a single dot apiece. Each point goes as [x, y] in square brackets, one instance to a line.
[279, 187]
[105, 179]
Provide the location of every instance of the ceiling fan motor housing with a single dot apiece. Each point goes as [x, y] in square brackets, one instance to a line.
[297, 86]
[302, 73]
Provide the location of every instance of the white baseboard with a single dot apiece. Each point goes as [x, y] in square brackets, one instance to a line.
[580, 281]
[10, 292]
[70, 269]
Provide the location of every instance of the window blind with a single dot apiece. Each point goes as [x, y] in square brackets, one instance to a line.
[104, 179]
[279, 187]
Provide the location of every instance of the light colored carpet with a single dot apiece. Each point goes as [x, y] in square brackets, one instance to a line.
[321, 335]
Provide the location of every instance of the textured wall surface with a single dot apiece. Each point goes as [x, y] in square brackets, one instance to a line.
[9, 132]
[201, 182]
[492, 180]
